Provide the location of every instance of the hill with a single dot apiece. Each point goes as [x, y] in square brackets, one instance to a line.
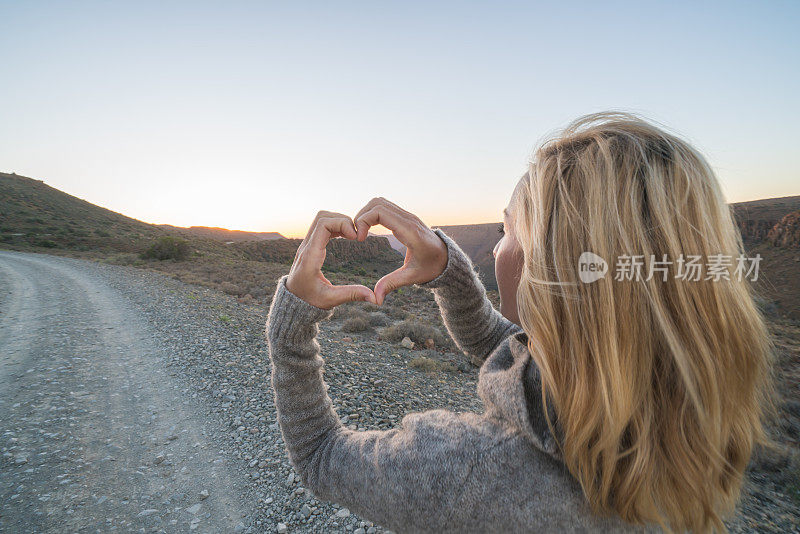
[478, 241]
[33, 214]
[222, 234]
[37, 217]
[757, 217]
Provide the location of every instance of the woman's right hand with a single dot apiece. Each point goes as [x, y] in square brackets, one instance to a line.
[426, 253]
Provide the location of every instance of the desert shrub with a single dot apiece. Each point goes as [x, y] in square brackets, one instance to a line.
[168, 248]
[378, 319]
[229, 288]
[395, 312]
[345, 311]
[355, 324]
[46, 243]
[101, 233]
[416, 331]
[430, 365]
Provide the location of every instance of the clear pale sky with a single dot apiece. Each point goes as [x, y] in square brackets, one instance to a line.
[257, 115]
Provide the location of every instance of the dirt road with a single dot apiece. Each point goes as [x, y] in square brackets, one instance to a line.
[95, 434]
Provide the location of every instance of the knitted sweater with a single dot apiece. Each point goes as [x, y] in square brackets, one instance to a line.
[439, 471]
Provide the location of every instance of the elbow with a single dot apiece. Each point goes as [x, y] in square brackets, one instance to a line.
[312, 467]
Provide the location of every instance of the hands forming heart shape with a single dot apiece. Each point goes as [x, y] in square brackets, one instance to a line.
[426, 255]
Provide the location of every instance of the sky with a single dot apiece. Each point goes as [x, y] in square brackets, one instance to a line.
[256, 116]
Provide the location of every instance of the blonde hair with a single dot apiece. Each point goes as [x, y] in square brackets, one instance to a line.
[661, 388]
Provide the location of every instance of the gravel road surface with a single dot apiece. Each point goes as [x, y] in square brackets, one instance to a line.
[95, 433]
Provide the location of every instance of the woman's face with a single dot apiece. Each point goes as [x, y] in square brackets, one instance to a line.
[508, 260]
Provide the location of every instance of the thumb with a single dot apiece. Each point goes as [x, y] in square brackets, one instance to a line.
[352, 293]
[394, 280]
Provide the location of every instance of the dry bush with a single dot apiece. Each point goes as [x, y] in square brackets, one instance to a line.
[416, 331]
[229, 288]
[395, 312]
[343, 311]
[168, 248]
[378, 319]
[355, 323]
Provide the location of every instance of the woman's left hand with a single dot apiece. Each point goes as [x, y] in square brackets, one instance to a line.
[305, 277]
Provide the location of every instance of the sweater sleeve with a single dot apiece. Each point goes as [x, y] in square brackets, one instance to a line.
[474, 324]
[409, 478]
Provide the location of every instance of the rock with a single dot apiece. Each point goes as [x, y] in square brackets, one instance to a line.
[195, 508]
[282, 528]
[347, 339]
[305, 511]
[407, 343]
[160, 458]
[239, 527]
[204, 495]
[430, 343]
[344, 512]
[149, 511]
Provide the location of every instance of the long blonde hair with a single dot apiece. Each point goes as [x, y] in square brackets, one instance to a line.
[661, 387]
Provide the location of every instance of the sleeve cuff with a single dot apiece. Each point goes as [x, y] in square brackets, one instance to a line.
[459, 272]
[292, 319]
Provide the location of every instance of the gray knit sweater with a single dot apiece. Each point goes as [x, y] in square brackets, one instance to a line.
[438, 471]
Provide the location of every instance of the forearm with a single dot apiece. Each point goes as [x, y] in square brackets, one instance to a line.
[305, 411]
[474, 324]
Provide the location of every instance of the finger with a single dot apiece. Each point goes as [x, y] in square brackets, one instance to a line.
[351, 293]
[404, 228]
[312, 250]
[330, 227]
[317, 217]
[368, 206]
[363, 231]
[394, 280]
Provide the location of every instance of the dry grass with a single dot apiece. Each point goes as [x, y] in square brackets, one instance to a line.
[378, 319]
[356, 324]
[417, 331]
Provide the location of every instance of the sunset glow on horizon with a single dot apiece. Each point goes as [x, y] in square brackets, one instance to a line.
[255, 116]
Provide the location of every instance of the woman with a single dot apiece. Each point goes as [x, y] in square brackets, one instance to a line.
[613, 403]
